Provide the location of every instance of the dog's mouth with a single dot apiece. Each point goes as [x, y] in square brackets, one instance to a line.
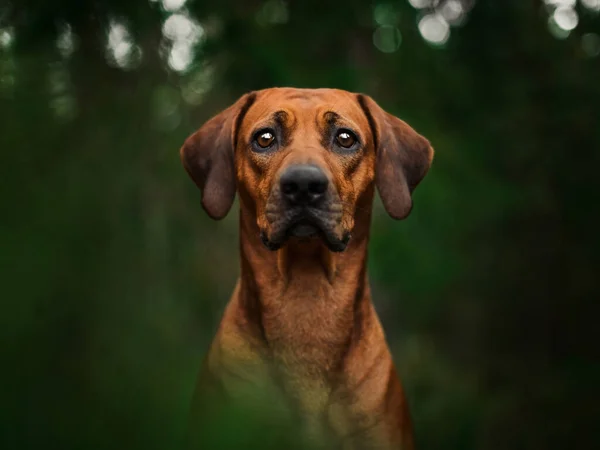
[305, 226]
[303, 229]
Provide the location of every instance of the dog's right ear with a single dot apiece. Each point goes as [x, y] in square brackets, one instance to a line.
[208, 157]
[403, 158]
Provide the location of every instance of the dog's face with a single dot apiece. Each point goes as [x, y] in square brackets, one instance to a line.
[303, 158]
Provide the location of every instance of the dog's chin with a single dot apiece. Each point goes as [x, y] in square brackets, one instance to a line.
[305, 231]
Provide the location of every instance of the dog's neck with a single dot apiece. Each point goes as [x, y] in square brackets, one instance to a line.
[303, 294]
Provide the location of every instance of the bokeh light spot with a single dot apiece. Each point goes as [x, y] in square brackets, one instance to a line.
[6, 38]
[557, 3]
[65, 41]
[385, 14]
[172, 5]
[420, 4]
[452, 11]
[387, 39]
[590, 43]
[593, 5]
[557, 31]
[566, 3]
[180, 27]
[184, 33]
[180, 56]
[121, 49]
[434, 29]
[566, 17]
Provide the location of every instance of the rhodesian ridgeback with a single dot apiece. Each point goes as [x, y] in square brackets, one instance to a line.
[300, 342]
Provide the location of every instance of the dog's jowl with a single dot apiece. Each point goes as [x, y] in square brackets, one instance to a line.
[300, 358]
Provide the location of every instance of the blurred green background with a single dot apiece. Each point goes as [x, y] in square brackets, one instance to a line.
[114, 279]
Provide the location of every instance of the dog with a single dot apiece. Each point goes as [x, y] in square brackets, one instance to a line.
[300, 342]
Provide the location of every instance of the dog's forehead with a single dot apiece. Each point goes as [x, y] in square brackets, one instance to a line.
[305, 104]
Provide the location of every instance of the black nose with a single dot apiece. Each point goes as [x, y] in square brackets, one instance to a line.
[304, 185]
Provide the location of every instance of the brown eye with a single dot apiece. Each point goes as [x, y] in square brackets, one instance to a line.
[345, 139]
[265, 139]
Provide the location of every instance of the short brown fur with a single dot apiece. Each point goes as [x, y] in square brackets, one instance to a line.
[300, 324]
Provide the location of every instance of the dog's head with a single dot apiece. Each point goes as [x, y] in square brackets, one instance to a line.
[303, 158]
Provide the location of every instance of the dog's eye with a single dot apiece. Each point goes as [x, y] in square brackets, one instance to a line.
[345, 139]
[265, 139]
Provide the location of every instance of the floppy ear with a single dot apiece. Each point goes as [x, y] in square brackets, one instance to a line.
[403, 158]
[207, 156]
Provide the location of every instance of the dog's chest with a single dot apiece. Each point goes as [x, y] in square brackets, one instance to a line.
[307, 335]
[307, 339]
[284, 387]
[299, 362]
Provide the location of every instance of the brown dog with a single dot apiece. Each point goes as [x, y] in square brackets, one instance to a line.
[300, 341]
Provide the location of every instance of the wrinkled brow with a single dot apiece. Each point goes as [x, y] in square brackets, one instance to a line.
[330, 117]
[333, 118]
[280, 117]
[283, 122]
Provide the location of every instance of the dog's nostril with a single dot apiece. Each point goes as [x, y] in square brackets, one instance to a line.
[289, 187]
[317, 187]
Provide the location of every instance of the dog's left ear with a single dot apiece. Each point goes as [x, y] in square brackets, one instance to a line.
[403, 158]
[208, 157]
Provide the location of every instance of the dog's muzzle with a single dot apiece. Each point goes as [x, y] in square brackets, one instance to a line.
[304, 205]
